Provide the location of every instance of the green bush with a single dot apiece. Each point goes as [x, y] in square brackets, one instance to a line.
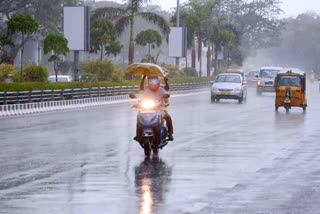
[5, 58]
[190, 72]
[174, 71]
[118, 73]
[88, 77]
[102, 69]
[5, 71]
[32, 73]
[70, 85]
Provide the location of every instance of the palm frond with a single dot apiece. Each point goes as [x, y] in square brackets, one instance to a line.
[157, 20]
[111, 12]
[136, 5]
[121, 23]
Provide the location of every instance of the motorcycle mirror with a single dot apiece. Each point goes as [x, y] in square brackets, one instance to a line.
[132, 96]
[166, 96]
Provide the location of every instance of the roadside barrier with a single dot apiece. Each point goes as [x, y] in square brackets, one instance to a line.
[21, 97]
[62, 105]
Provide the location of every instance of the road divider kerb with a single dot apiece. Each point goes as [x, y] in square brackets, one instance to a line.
[15, 110]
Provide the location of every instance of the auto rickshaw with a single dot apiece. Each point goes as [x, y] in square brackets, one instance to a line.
[290, 90]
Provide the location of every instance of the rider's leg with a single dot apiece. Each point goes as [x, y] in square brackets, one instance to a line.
[168, 118]
[138, 133]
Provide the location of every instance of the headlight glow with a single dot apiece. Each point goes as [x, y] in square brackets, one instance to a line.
[259, 83]
[148, 104]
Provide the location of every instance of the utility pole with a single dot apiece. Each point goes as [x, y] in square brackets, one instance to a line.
[76, 59]
[178, 25]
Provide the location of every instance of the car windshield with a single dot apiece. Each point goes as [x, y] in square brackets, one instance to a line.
[269, 73]
[228, 78]
[289, 81]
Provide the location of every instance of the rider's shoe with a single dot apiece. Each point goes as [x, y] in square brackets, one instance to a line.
[170, 137]
[135, 138]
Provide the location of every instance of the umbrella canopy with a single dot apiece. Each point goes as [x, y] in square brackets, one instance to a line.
[147, 69]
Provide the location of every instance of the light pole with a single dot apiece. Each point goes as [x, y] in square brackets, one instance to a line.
[178, 25]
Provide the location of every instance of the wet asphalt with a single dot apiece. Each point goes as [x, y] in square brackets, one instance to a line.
[226, 158]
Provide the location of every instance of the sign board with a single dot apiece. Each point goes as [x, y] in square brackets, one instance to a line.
[76, 27]
[177, 42]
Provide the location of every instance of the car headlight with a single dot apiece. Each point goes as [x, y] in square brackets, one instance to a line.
[237, 89]
[148, 104]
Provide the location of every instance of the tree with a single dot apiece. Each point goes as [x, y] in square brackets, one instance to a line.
[221, 38]
[257, 22]
[57, 44]
[150, 38]
[187, 19]
[103, 37]
[124, 17]
[5, 40]
[47, 13]
[195, 15]
[299, 46]
[24, 24]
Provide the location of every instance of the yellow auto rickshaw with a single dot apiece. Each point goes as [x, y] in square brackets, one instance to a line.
[291, 90]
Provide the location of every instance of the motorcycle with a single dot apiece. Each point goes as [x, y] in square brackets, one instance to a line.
[153, 134]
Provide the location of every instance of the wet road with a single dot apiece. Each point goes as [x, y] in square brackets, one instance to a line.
[227, 158]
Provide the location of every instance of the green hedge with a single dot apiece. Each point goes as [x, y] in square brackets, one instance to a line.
[69, 85]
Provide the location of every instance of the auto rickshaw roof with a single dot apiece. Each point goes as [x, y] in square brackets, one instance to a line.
[292, 72]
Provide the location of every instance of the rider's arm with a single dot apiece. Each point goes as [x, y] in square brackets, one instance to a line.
[142, 83]
[167, 87]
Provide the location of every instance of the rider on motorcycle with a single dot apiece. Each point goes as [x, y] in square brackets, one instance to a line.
[155, 91]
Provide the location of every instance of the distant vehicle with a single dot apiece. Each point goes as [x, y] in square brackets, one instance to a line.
[252, 78]
[267, 76]
[61, 78]
[229, 86]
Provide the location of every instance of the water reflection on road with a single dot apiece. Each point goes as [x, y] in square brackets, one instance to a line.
[152, 177]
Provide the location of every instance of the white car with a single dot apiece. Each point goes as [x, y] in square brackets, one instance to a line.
[229, 86]
[61, 78]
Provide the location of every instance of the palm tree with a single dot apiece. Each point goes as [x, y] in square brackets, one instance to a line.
[124, 17]
[195, 15]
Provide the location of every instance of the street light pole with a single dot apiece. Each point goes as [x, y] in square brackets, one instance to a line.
[178, 25]
[76, 59]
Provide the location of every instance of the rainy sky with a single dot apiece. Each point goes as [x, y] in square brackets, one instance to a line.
[290, 7]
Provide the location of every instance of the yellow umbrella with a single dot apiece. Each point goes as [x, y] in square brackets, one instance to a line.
[147, 69]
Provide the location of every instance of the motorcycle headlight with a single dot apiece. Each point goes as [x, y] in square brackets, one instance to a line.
[259, 83]
[148, 104]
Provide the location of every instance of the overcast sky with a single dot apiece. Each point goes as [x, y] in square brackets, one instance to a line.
[290, 7]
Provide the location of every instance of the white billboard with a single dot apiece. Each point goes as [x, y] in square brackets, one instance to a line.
[177, 42]
[76, 27]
